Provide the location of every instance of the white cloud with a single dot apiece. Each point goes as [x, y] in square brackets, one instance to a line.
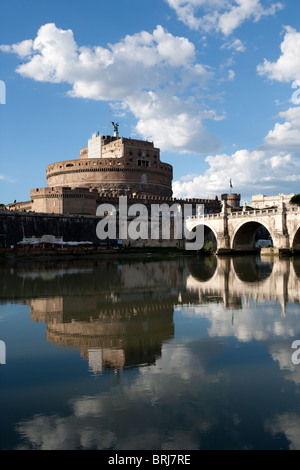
[287, 67]
[7, 179]
[235, 44]
[244, 10]
[276, 162]
[104, 73]
[23, 49]
[285, 136]
[179, 127]
[231, 75]
[132, 71]
[223, 16]
[252, 172]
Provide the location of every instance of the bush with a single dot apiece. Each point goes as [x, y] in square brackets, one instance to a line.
[208, 248]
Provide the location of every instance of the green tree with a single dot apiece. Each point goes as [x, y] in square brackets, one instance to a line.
[295, 199]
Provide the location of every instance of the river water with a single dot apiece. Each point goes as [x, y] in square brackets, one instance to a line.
[144, 354]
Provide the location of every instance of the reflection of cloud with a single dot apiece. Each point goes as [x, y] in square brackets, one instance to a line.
[247, 324]
[190, 394]
[146, 404]
[57, 433]
[289, 424]
[282, 353]
[174, 404]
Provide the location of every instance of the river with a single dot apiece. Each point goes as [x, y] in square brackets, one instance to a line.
[150, 354]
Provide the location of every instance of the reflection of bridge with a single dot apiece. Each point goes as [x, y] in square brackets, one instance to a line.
[121, 314]
[235, 231]
[242, 276]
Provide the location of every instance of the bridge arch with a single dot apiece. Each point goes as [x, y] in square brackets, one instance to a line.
[210, 234]
[295, 239]
[244, 234]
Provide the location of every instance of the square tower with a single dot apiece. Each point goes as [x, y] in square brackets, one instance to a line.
[95, 146]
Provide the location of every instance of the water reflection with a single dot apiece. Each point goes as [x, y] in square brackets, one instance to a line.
[120, 314]
[213, 336]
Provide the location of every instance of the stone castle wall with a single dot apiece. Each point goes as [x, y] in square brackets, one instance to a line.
[64, 200]
[126, 165]
[112, 176]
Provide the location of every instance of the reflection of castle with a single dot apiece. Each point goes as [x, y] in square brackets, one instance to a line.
[107, 334]
[124, 326]
[120, 315]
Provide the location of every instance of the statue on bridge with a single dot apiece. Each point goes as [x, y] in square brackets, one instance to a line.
[223, 205]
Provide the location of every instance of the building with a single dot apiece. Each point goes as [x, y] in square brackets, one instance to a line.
[109, 167]
[114, 166]
[259, 201]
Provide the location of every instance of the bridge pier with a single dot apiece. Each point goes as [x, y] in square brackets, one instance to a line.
[223, 244]
[282, 243]
[222, 233]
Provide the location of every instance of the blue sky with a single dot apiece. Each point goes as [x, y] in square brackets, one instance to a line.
[213, 83]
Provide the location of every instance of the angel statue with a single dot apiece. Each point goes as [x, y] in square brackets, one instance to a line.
[116, 128]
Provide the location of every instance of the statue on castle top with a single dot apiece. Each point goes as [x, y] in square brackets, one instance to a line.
[116, 128]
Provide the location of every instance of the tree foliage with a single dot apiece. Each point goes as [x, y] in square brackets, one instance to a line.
[295, 199]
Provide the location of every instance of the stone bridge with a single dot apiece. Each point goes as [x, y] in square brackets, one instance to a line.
[235, 231]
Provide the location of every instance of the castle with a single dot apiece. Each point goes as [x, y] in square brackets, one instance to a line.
[109, 167]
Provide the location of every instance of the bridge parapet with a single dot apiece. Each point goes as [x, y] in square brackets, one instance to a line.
[254, 212]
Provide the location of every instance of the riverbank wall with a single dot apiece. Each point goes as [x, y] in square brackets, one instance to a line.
[15, 226]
